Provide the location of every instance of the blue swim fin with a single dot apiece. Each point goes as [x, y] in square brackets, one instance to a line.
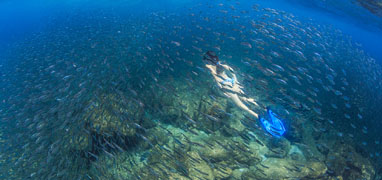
[275, 127]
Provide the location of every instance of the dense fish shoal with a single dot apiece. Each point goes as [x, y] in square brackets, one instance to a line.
[105, 94]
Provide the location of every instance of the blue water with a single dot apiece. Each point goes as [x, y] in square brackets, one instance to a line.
[122, 90]
[363, 26]
[22, 17]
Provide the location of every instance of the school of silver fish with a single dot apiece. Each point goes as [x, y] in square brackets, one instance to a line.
[104, 94]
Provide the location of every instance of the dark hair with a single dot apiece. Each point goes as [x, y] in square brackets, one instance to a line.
[211, 57]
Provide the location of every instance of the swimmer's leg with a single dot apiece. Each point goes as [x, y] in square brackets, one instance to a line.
[251, 100]
[239, 103]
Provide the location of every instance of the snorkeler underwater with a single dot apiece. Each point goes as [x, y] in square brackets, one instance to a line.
[190, 90]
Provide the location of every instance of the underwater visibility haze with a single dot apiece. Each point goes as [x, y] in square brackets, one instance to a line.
[191, 90]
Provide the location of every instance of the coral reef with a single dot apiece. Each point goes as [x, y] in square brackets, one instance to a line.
[227, 148]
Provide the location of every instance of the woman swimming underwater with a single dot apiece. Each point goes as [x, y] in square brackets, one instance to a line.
[230, 86]
[233, 90]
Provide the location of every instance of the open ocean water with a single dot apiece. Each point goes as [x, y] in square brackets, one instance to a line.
[104, 90]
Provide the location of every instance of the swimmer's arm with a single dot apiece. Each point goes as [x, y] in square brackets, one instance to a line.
[210, 67]
[217, 79]
[225, 66]
[234, 77]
